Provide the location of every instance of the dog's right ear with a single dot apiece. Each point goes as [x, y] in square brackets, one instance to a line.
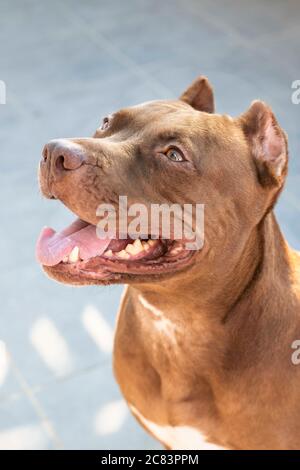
[268, 143]
[200, 95]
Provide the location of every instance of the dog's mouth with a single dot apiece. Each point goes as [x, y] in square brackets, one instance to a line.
[76, 255]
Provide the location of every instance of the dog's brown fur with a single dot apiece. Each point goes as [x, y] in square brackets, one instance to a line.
[204, 352]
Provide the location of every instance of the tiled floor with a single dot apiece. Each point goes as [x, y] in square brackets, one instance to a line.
[66, 64]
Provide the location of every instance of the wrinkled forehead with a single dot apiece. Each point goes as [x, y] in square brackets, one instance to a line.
[165, 106]
[160, 113]
[166, 120]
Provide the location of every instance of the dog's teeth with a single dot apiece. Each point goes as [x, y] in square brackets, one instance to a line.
[132, 249]
[122, 254]
[176, 250]
[109, 253]
[151, 242]
[146, 246]
[65, 259]
[74, 255]
[138, 245]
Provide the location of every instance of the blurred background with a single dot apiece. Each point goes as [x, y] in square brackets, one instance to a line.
[66, 65]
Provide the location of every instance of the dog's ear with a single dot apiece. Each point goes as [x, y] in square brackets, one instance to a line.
[268, 143]
[200, 95]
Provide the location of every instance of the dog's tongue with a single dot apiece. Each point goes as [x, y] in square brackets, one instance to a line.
[52, 247]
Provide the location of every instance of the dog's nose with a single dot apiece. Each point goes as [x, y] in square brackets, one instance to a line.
[63, 155]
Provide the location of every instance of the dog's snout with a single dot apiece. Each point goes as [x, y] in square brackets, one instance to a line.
[62, 155]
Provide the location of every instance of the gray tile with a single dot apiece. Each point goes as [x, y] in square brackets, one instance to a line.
[47, 73]
[89, 412]
[9, 386]
[49, 329]
[288, 213]
[249, 22]
[160, 31]
[20, 429]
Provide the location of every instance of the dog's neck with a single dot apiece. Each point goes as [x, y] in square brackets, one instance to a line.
[247, 273]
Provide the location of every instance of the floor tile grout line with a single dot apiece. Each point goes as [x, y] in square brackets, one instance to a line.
[77, 373]
[37, 388]
[220, 25]
[123, 59]
[226, 28]
[41, 413]
[100, 41]
[236, 36]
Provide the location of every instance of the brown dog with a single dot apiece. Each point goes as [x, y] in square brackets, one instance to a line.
[203, 348]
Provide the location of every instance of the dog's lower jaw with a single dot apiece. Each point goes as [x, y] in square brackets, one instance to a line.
[102, 270]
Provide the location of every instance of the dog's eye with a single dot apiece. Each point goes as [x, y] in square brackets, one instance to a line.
[175, 155]
[105, 124]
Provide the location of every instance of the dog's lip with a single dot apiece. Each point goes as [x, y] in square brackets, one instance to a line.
[99, 260]
[101, 269]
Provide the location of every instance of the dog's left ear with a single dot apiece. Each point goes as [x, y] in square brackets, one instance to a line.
[268, 143]
[200, 95]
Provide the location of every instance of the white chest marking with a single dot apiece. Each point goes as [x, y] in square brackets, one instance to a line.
[162, 324]
[176, 437]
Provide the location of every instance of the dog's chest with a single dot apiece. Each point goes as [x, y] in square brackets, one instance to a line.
[176, 437]
[175, 346]
[163, 330]
[155, 369]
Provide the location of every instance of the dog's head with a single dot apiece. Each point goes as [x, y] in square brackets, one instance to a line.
[160, 153]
